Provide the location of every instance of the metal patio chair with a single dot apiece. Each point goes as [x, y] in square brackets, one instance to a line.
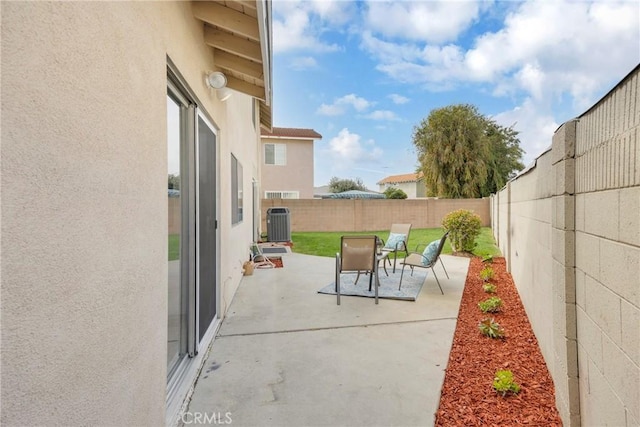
[395, 241]
[357, 254]
[426, 259]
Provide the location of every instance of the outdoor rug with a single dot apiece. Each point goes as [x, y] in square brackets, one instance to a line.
[411, 285]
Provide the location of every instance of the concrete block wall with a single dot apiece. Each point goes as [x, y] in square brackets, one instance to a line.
[607, 232]
[570, 230]
[525, 236]
[371, 215]
[564, 365]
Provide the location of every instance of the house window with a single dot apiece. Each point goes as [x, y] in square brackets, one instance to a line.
[236, 190]
[281, 194]
[275, 154]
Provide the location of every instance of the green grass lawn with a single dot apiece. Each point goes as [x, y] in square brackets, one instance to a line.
[174, 247]
[327, 244]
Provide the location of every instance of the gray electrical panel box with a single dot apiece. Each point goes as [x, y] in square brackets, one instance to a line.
[278, 225]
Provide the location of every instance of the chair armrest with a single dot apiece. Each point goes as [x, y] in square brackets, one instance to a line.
[417, 250]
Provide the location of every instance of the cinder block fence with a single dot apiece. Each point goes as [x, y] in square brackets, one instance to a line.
[570, 230]
[371, 215]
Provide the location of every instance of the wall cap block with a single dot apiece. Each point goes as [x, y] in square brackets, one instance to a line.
[564, 142]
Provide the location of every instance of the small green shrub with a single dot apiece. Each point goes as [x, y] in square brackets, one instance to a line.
[490, 305]
[488, 259]
[486, 274]
[503, 383]
[394, 193]
[463, 226]
[491, 328]
[489, 288]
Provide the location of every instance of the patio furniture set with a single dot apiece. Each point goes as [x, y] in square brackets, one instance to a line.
[363, 254]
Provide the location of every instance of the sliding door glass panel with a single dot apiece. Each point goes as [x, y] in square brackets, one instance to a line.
[206, 226]
[176, 319]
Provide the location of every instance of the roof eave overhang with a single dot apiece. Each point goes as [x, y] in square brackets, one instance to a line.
[293, 138]
[239, 33]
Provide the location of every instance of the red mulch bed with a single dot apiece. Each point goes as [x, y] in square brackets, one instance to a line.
[468, 398]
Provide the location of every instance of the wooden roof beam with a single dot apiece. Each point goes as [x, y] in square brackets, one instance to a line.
[251, 4]
[247, 88]
[228, 42]
[224, 17]
[240, 65]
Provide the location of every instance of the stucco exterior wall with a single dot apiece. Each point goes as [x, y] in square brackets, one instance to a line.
[296, 175]
[371, 214]
[84, 205]
[570, 230]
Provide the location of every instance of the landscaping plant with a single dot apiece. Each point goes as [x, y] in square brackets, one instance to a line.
[486, 274]
[503, 383]
[489, 288]
[490, 305]
[463, 226]
[490, 328]
[488, 259]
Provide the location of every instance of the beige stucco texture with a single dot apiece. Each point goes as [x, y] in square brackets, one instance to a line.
[296, 174]
[570, 230]
[84, 205]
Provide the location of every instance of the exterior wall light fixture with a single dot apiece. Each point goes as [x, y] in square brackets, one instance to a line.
[216, 80]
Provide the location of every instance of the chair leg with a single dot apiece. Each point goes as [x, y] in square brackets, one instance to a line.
[395, 254]
[437, 281]
[384, 266]
[357, 277]
[445, 270]
[401, 274]
[338, 279]
[370, 280]
[377, 283]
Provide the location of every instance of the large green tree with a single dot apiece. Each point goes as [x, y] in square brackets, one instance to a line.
[337, 185]
[465, 154]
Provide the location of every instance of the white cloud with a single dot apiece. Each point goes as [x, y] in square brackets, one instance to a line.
[430, 21]
[331, 110]
[543, 50]
[535, 126]
[340, 105]
[347, 149]
[382, 115]
[303, 63]
[335, 12]
[398, 99]
[299, 25]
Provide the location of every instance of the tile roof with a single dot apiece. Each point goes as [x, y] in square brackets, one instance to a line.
[292, 133]
[397, 179]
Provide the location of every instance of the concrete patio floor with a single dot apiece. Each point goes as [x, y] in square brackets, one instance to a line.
[288, 356]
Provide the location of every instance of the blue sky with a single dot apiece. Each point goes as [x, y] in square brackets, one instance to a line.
[364, 73]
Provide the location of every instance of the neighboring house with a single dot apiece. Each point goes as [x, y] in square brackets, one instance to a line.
[411, 183]
[321, 192]
[356, 194]
[287, 163]
[112, 286]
